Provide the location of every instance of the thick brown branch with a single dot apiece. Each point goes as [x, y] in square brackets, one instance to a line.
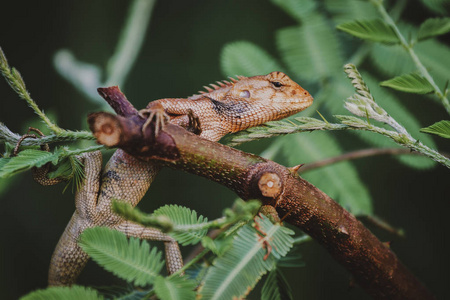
[373, 265]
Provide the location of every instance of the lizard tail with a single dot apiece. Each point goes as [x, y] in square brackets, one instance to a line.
[68, 259]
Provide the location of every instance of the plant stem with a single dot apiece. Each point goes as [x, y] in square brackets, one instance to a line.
[356, 155]
[191, 262]
[10, 137]
[387, 18]
[130, 42]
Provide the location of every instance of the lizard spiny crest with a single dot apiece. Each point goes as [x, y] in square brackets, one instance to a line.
[217, 91]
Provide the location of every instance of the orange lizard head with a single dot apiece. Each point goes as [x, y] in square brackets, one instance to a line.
[274, 89]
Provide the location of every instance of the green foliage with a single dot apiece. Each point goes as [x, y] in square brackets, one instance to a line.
[128, 212]
[17, 83]
[433, 27]
[438, 6]
[276, 287]
[217, 246]
[184, 219]
[298, 9]
[131, 260]
[25, 160]
[246, 59]
[402, 114]
[310, 51]
[409, 83]
[441, 128]
[174, 288]
[393, 60]
[235, 273]
[67, 293]
[347, 10]
[373, 30]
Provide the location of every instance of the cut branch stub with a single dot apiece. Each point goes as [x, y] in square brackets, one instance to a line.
[270, 185]
[126, 133]
[117, 100]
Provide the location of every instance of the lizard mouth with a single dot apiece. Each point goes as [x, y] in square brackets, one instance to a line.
[307, 100]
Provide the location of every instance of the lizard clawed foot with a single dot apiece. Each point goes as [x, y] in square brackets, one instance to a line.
[44, 147]
[155, 113]
[194, 125]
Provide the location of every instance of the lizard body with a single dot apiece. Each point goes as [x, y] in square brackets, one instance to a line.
[227, 107]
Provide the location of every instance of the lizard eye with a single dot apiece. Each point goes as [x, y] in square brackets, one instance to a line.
[244, 94]
[277, 84]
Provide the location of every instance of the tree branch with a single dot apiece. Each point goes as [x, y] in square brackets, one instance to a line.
[373, 265]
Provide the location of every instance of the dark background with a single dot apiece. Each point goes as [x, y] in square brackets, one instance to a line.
[180, 55]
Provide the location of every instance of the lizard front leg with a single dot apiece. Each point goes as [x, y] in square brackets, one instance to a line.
[125, 178]
[68, 259]
[174, 259]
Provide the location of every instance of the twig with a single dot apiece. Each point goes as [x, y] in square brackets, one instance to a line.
[409, 48]
[356, 155]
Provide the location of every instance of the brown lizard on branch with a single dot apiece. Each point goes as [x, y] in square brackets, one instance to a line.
[371, 262]
[227, 107]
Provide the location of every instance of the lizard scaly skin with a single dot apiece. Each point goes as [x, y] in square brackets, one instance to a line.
[227, 107]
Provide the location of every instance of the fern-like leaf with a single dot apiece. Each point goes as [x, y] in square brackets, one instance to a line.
[174, 288]
[298, 9]
[394, 60]
[27, 159]
[441, 128]
[131, 260]
[438, 6]
[433, 27]
[67, 293]
[184, 220]
[276, 287]
[311, 50]
[235, 273]
[409, 83]
[374, 30]
[348, 10]
[247, 59]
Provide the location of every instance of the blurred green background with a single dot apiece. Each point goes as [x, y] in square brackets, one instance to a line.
[181, 54]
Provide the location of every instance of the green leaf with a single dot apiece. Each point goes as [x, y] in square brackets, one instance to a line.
[174, 288]
[402, 115]
[27, 159]
[217, 246]
[183, 218]
[441, 128]
[67, 293]
[340, 181]
[128, 259]
[409, 83]
[311, 51]
[298, 9]
[394, 60]
[348, 10]
[433, 27]
[438, 6]
[235, 273]
[247, 59]
[276, 287]
[374, 30]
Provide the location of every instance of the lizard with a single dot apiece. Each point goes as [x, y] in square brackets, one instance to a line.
[225, 107]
